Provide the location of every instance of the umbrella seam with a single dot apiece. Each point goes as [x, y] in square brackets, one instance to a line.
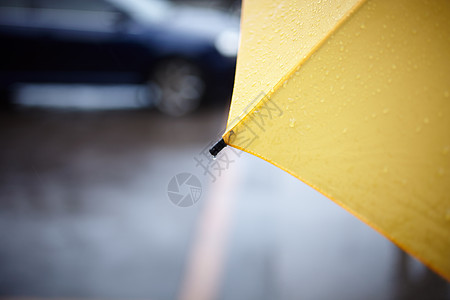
[338, 25]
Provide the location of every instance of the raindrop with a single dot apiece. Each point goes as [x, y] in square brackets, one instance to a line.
[446, 150]
[386, 110]
[446, 94]
[292, 122]
[426, 120]
[441, 171]
[344, 131]
[363, 26]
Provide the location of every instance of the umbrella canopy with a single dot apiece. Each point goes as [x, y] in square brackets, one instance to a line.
[353, 98]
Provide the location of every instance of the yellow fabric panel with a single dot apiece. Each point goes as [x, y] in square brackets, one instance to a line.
[366, 121]
[275, 36]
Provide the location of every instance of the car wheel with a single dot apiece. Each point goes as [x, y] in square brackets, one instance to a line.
[177, 87]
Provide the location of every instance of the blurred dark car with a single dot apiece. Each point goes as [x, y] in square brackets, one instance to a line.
[183, 54]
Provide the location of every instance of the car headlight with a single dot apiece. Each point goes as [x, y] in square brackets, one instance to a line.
[227, 43]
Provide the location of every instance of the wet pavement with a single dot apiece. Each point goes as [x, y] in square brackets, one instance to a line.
[85, 214]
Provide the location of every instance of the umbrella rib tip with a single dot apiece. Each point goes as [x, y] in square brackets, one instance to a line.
[217, 147]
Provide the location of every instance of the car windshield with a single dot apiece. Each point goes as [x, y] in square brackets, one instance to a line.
[144, 10]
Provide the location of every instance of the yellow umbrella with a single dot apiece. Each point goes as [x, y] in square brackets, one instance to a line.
[352, 97]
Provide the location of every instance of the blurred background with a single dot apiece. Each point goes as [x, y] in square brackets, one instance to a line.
[106, 105]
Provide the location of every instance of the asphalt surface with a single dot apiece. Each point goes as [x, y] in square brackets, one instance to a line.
[85, 214]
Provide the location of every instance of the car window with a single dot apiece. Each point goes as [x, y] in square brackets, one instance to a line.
[75, 15]
[15, 12]
[145, 10]
[86, 5]
[15, 3]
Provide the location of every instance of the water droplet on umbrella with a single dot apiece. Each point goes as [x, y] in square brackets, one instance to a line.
[292, 122]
